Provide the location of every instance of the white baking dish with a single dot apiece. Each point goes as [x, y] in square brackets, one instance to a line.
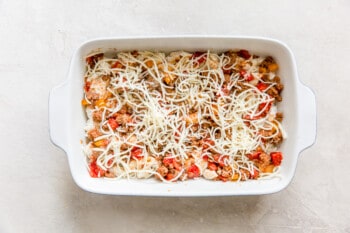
[67, 119]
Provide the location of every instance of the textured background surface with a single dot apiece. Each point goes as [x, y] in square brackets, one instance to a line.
[37, 193]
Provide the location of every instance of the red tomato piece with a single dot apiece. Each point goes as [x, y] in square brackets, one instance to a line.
[90, 60]
[216, 158]
[193, 171]
[136, 153]
[226, 69]
[265, 104]
[249, 77]
[117, 64]
[255, 174]
[208, 142]
[177, 166]
[169, 176]
[261, 86]
[223, 179]
[212, 166]
[205, 157]
[242, 73]
[167, 161]
[244, 53]
[255, 155]
[220, 159]
[87, 86]
[177, 133]
[247, 117]
[113, 123]
[226, 91]
[95, 170]
[110, 162]
[199, 54]
[276, 158]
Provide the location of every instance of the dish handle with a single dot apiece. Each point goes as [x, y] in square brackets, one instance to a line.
[306, 117]
[58, 115]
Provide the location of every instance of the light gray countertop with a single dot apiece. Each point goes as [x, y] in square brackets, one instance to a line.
[37, 193]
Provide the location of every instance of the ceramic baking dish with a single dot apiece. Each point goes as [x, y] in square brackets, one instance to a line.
[67, 118]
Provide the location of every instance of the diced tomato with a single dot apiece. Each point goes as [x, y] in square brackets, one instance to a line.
[226, 91]
[87, 86]
[248, 117]
[201, 60]
[255, 174]
[261, 86]
[172, 163]
[276, 158]
[95, 170]
[167, 161]
[265, 104]
[136, 153]
[212, 166]
[193, 171]
[205, 157]
[177, 133]
[261, 107]
[169, 176]
[110, 162]
[242, 73]
[177, 165]
[220, 159]
[199, 54]
[113, 123]
[89, 60]
[208, 142]
[224, 179]
[249, 77]
[255, 155]
[244, 53]
[92, 170]
[117, 64]
[226, 69]
[216, 158]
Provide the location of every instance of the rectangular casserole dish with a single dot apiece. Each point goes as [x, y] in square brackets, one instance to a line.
[67, 117]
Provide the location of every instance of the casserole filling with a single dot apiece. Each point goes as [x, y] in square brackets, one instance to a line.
[182, 115]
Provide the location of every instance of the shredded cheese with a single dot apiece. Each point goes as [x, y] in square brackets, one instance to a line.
[176, 101]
